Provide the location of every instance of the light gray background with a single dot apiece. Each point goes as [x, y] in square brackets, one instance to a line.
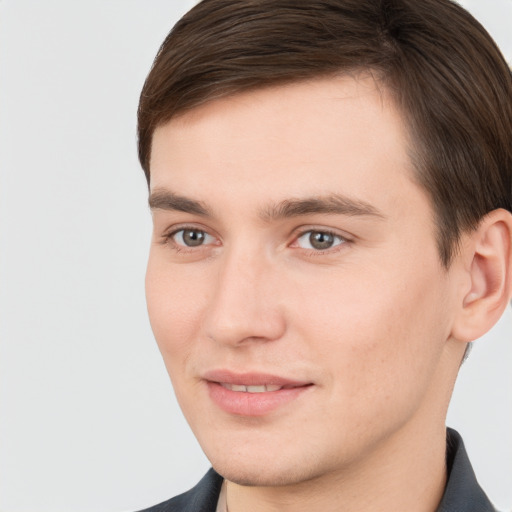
[88, 421]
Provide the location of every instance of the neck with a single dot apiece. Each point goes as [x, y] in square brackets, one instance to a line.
[406, 472]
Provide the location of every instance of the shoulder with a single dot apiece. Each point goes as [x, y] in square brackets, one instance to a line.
[201, 498]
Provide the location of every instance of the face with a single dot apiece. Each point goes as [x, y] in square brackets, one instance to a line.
[294, 285]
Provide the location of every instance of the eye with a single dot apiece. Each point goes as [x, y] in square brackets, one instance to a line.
[319, 240]
[189, 237]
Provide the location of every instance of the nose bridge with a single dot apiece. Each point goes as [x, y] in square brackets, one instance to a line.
[244, 305]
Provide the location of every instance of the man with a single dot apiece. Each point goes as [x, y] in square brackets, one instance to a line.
[331, 188]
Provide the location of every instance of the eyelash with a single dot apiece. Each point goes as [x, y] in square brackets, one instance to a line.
[168, 239]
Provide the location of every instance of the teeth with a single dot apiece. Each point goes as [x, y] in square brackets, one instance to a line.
[256, 389]
[250, 389]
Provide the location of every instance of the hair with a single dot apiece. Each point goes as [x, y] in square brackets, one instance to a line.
[443, 70]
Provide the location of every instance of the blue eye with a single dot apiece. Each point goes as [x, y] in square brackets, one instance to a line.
[319, 240]
[189, 237]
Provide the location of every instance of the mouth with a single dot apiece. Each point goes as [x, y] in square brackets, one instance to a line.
[253, 394]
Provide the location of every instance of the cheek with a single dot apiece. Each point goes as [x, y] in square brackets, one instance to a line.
[174, 309]
[379, 334]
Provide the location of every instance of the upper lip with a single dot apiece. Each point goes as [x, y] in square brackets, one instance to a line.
[251, 379]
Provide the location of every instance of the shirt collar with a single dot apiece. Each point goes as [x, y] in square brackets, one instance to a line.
[462, 492]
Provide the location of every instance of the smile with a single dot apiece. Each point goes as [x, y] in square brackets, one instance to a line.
[253, 394]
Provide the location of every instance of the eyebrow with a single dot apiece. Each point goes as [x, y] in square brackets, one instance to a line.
[333, 204]
[162, 199]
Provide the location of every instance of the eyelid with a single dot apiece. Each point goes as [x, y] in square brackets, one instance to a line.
[302, 230]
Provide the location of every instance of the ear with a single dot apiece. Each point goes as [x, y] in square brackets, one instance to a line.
[488, 268]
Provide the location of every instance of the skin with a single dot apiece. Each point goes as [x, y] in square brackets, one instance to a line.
[369, 322]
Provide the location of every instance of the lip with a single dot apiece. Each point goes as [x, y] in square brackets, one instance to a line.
[243, 403]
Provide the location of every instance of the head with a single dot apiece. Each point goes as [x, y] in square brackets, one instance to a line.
[329, 180]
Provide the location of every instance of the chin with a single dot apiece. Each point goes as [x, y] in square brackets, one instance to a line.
[268, 466]
[254, 457]
[265, 476]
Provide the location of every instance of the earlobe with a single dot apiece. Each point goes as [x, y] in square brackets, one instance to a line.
[489, 252]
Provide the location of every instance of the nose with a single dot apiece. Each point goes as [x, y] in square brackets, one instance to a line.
[246, 305]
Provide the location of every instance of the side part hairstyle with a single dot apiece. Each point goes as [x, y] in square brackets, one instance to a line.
[444, 71]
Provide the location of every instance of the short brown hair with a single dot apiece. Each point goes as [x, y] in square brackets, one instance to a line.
[443, 69]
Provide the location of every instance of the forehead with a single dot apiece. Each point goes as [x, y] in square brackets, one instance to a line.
[340, 134]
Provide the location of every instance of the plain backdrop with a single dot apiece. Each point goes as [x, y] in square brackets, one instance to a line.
[88, 420]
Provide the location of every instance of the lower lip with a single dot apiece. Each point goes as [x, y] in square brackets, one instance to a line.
[252, 404]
